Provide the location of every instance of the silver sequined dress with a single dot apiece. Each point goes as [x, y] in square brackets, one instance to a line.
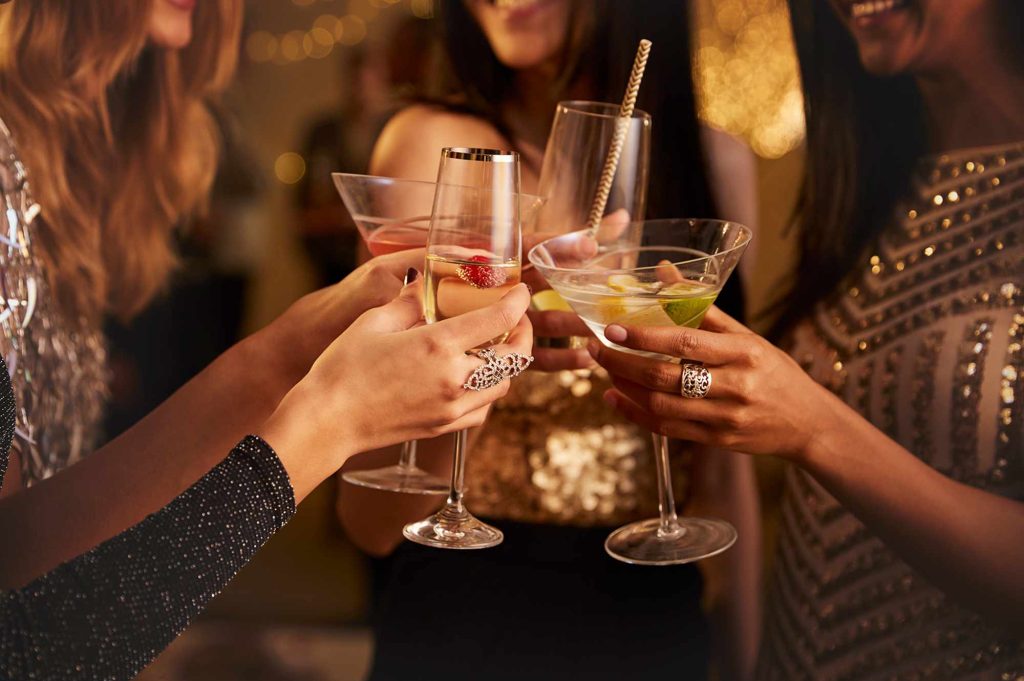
[926, 344]
[58, 363]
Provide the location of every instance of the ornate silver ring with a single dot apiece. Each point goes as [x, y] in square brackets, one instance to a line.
[695, 381]
[496, 369]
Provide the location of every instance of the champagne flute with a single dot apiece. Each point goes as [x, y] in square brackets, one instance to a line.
[394, 215]
[671, 280]
[474, 255]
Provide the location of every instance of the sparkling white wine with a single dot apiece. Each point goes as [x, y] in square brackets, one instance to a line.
[465, 281]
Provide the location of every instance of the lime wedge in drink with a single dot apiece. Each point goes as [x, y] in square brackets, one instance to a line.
[625, 283]
[651, 315]
[688, 311]
[549, 299]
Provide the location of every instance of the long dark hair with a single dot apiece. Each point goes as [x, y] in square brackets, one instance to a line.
[865, 135]
[600, 49]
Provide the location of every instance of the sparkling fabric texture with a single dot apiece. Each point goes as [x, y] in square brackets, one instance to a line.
[553, 452]
[57, 364]
[108, 613]
[925, 342]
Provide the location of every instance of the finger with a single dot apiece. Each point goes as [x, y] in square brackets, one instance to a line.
[476, 328]
[520, 340]
[473, 419]
[535, 280]
[683, 430]
[531, 240]
[681, 342]
[399, 263]
[555, 359]
[651, 373]
[613, 225]
[404, 312]
[674, 407]
[557, 324]
[718, 321]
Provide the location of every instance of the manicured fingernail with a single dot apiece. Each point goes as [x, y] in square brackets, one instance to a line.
[593, 345]
[609, 397]
[586, 356]
[615, 333]
[411, 275]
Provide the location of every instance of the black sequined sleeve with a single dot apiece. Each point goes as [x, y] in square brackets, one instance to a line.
[108, 613]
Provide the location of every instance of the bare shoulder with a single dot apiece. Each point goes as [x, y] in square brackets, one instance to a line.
[732, 168]
[411, 142]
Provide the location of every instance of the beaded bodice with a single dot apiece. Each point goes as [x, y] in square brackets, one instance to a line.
[57, 364]
[925, 342]
[553, 452]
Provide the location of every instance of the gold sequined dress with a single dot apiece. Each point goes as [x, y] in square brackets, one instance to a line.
[926, 344]
[57, 363]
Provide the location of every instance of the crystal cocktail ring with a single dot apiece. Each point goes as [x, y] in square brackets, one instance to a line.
[695, 381]
[496, 369]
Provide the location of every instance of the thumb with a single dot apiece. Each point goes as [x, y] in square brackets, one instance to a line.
[402, 313]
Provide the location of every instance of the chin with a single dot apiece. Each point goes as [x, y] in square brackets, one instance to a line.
[520, 54]
[887, 32]
[172, 39]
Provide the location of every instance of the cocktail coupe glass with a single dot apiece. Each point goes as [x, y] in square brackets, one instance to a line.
[670, 279]
[474, 256]
[394, 215]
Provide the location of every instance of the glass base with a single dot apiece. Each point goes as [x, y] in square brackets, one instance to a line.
[453, 528]
[402, 479]
[643, 542]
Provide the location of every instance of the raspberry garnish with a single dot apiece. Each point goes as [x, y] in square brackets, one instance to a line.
[484, 275]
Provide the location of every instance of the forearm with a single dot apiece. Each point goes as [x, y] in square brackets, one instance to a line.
[965, 541]
[372, 519]
[146, 584]
[140, 471]
[724, 486]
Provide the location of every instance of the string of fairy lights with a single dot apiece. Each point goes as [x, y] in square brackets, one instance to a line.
[327, 31]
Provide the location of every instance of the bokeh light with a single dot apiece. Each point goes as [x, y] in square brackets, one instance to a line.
[289, 167]
[747, 75]
[353, 30]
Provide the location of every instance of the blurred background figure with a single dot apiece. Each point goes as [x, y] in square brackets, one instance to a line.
[317, 81]
[378, 76]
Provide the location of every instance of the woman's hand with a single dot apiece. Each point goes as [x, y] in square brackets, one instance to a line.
[760, 400]
[389, 378]
[562, 323]
[294, 340]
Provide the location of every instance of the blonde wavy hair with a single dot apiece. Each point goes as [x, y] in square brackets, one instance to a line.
[116, 137]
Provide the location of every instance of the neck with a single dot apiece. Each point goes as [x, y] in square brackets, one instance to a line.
[532, 104]
[977, 105]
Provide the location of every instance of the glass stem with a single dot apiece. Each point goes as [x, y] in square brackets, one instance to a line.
[407, 459]
[458, 471]
[666, 501]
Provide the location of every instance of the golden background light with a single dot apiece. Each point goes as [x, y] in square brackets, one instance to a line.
[747, 76]
[289, 167]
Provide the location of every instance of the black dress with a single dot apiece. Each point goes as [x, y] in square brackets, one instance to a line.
[547, 604]
[109, 612]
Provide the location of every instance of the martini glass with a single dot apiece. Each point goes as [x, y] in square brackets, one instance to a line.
[670, 279]
[393, 215]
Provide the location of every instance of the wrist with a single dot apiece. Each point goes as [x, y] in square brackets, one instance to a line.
[825, 437]
[267, 353]
[311, 443]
